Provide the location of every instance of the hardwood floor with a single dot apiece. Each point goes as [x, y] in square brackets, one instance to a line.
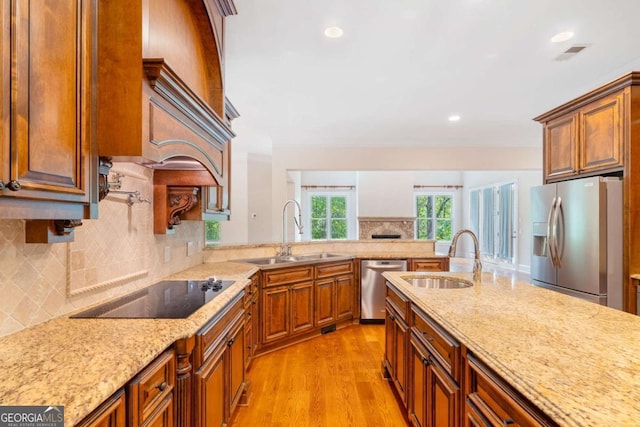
[331, 381]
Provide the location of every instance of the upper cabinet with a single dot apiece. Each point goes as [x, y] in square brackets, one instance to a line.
[161, 96]
[48, 164]
[587, 136]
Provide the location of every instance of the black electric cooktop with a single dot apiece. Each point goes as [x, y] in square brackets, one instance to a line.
[170, 299]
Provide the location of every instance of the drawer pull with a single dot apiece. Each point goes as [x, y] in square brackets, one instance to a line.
[427, 337]
[162, 386]
[392, 317]
[231, 341]
[508, 422]
[425, 360]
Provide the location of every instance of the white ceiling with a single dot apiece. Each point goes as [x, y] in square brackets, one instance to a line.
[403, 66]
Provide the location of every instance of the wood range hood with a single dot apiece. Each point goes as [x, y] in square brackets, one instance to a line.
[162, 105]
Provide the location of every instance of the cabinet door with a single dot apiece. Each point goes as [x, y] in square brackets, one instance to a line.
[344, 297]
[255, 327]
[325, 302]
[235, 356]
[52, 107]
[560, 148]
[276, 306]
[601, 134]
[389, 341]
[163, 416]
[112, 413]
[400, 357]
[210, 399]
[301, 307]
[418, 381]
[443, 396]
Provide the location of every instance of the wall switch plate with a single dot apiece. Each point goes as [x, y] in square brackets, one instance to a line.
[191, 248]
[167, 253]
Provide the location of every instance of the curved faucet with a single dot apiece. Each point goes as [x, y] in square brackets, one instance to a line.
[285, 250]
[477, 265]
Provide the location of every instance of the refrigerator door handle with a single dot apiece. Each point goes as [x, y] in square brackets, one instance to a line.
[556, 218]
[549, 232]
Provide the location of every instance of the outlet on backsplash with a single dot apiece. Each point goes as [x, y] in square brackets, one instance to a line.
[190, 248]
[167, 253]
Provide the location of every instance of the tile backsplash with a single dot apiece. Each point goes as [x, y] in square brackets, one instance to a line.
[110, 256]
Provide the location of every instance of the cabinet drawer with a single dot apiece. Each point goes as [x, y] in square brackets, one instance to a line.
[491, 398]
[151, 387]
[444, 347]
[430, 264]
[327, 270]
[398, 301]
[288, 275]
[216, 329]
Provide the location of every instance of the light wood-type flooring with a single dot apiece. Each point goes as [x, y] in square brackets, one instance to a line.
[334, 380]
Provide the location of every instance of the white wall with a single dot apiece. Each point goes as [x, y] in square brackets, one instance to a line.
[385, 193]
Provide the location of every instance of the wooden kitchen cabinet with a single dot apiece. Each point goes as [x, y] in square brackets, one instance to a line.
[48, 164]
[252, 318]
[490, 401]
[585, 138]
[150, 393]
[429, 264]
[334, 288]
[396, 353]
[111, 413]
[161, 98]
[219, 362]
[434, 374]
[286, 310]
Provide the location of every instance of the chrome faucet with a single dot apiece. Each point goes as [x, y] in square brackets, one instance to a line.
[285, 250]
[477, 265]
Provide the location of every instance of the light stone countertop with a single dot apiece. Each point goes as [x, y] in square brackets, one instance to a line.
[577, 361]
[79, 363]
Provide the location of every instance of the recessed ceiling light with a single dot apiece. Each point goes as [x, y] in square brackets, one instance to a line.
[454, 118]
[333, 32]
[562, 37]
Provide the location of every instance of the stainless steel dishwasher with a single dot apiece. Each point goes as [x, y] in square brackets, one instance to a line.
[373, 288]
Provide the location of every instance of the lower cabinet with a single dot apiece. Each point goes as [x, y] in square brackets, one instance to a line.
[220, 367]
[429, 264]
[434, 396]
[490, 401]
[287, 310]
[147, 400]
[395, 361]
[111, 413]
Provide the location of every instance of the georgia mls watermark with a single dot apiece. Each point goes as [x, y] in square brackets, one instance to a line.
[31, 416]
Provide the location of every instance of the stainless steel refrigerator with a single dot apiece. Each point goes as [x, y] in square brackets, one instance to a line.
[577, 238]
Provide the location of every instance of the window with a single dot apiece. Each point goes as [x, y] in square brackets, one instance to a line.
[211, 232]
[434, 216]
[329, 216]
[493, 218]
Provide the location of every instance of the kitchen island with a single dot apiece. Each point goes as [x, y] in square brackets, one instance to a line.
[576, 361]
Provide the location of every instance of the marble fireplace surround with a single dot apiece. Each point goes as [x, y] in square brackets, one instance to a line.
[369, 225]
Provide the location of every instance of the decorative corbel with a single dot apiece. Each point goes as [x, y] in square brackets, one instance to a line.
[181, 199]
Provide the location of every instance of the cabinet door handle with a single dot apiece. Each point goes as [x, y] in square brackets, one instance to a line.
[427, 337]
[508, 422]
[12, 185]
[392, 317]
[425, 360]
[231, 341]
[162, 386]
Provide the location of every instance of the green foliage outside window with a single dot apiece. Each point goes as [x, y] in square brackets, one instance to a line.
[212, 231]
[328, 217]
[433, 217]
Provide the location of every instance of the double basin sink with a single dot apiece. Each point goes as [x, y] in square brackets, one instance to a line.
[285, 260]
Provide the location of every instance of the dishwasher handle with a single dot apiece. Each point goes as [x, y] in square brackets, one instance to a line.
[387, 267]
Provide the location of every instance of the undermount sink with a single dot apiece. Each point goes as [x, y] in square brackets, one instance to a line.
[436, 282]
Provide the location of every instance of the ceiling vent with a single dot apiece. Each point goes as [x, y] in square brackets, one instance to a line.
[571, 52]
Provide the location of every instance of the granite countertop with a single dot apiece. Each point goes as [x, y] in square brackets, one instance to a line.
[79, 363]
[579, 362]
